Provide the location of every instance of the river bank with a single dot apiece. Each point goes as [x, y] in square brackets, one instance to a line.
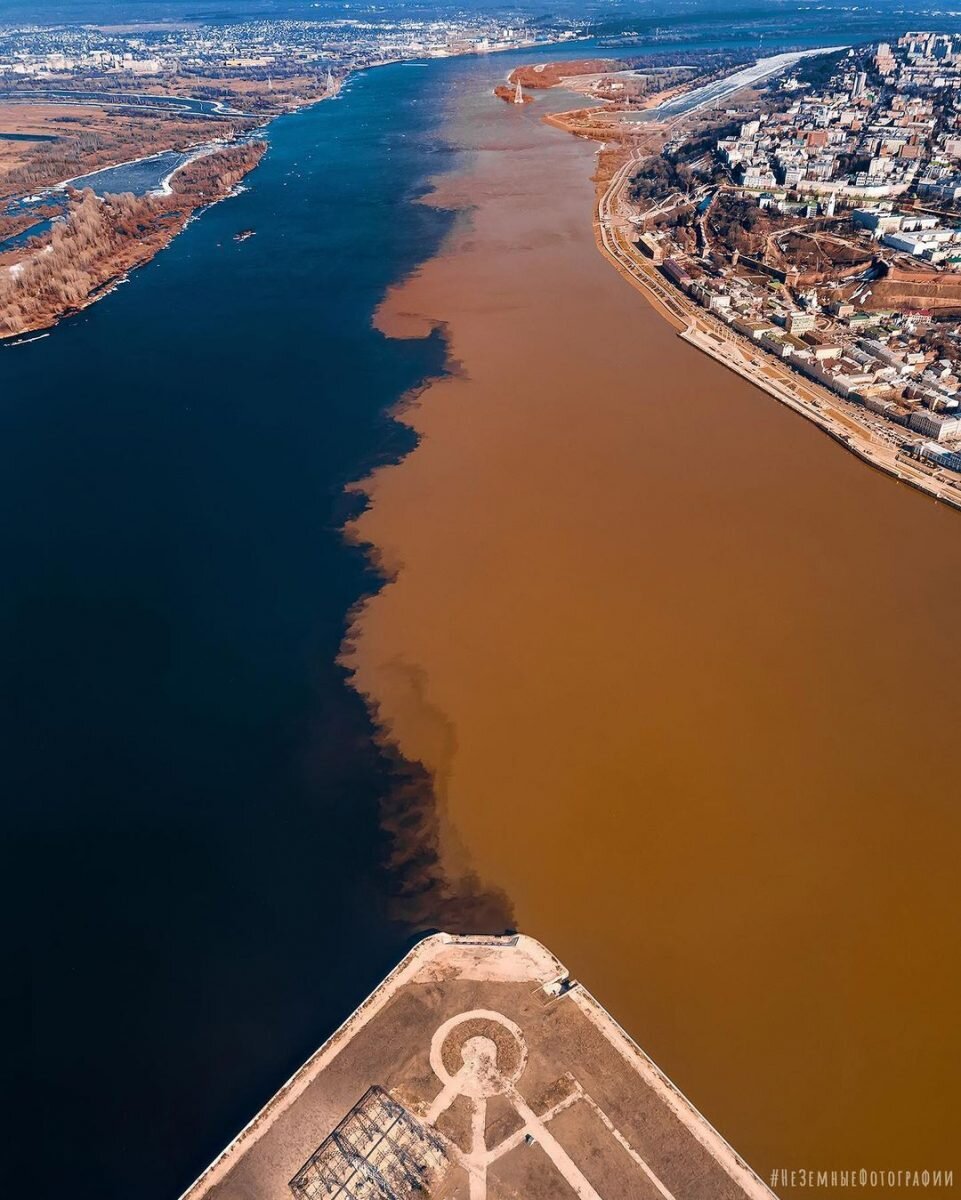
[167, 203]
[622, 150]
[98, 242]
[138, 248]
[817, 404]
[644, 631]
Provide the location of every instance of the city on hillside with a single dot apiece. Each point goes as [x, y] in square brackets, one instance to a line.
[825, 225]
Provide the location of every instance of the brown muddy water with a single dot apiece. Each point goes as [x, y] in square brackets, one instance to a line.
[685, 674]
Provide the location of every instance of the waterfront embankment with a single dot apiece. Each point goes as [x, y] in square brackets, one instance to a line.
[833, 415]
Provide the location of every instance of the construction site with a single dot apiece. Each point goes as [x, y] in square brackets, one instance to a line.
[479, 1069]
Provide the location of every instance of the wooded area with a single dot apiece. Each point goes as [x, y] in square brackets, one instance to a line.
[99, 240]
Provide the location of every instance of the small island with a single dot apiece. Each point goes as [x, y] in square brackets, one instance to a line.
[512, 95]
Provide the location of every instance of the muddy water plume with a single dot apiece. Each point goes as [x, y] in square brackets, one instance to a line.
[680, 673]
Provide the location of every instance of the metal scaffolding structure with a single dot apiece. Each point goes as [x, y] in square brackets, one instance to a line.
[379, 1151]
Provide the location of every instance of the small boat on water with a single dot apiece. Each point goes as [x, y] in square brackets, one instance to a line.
[244, 235]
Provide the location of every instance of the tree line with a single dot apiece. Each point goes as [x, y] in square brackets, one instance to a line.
[99, 239]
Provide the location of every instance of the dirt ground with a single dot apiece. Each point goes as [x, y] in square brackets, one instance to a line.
[532, 1092]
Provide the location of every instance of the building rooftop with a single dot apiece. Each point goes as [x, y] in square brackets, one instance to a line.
[478, 1069]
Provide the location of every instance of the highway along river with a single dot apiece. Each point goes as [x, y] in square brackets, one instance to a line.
[680, 667]
[662, 674]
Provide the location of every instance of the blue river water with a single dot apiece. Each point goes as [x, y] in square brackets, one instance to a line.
[144, 175]
[191, 792]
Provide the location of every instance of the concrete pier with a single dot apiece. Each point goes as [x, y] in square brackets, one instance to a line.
[478, 1069]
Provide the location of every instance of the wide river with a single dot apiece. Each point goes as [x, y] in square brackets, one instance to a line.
[657, 676]
[677, 664]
